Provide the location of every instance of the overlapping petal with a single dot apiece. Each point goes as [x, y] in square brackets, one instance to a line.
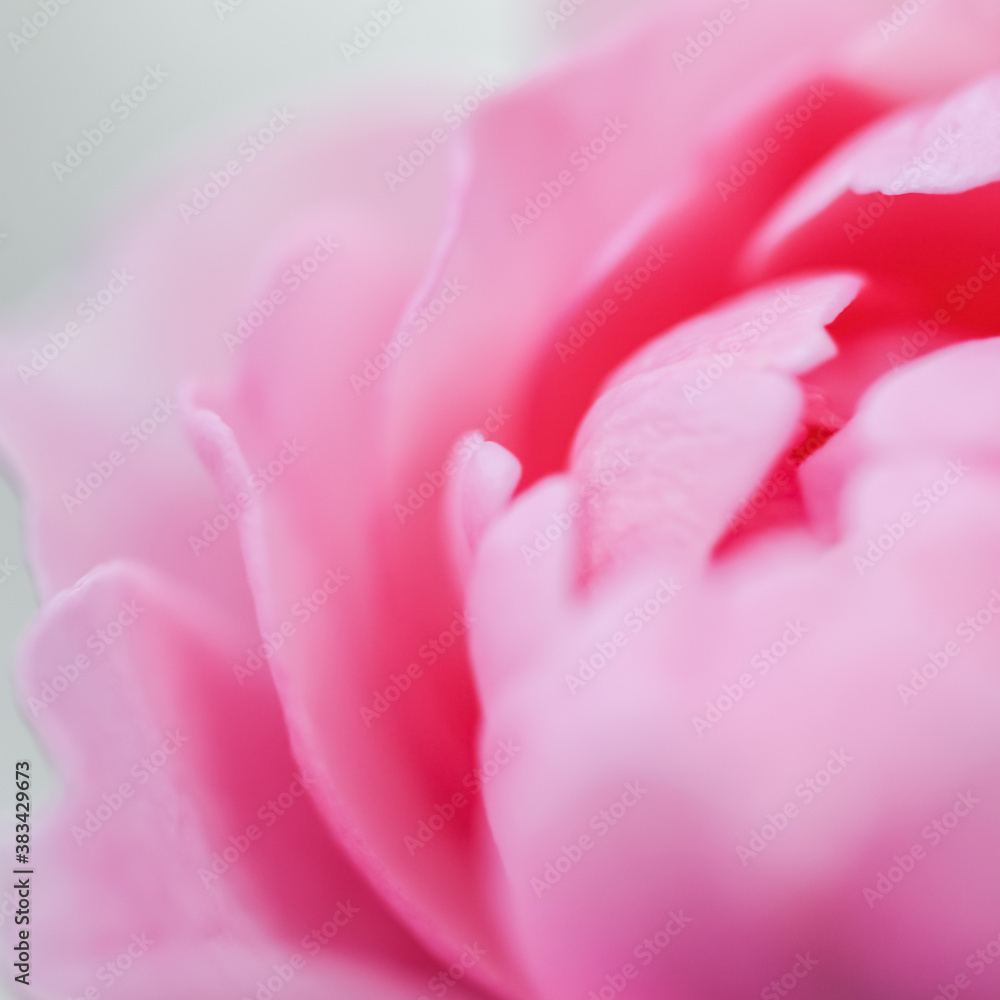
[792, 753]
[188, 852]
[908, 200]
[417, 354]
[459, 303]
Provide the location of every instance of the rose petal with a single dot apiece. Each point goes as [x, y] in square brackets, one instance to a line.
[480, 490]
[112, 388]
[908, 201]
[367, 498]
[796, 344]
[692, 423]
[316, 540]
[942, 148]
[187, 821]
[942, 408]
[636, 241]
[801, 657]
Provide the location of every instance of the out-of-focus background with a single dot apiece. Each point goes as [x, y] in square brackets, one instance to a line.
[218, 67]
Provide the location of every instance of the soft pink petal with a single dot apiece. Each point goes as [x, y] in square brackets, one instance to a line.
[190, 285]
[378, 417]
[174, 750]
[635, 242]
[526, 560]
[319, 511]
[942, 406]
[479, 491]
[853, 637]
[784, 325]
[692, 423]
[938, 404]
[661, 473]
[315, 542]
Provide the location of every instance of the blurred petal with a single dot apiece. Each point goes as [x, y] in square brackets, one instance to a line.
[363, 701]
[187, 823]
[89, 417]
[714, 776]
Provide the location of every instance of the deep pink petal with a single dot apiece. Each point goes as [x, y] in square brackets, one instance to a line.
[909, 201]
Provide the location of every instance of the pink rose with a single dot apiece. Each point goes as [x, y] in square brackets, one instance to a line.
[708, 708]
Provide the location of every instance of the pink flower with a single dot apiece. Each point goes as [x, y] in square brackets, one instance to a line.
[708, 708]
